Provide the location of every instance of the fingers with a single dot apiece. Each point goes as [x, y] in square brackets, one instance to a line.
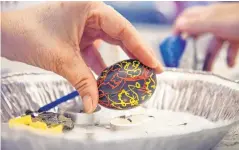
[73, 68]
[93, 58]
[232, 54]
[110, 40]
[212, 52]
[127, 51]
[117, 27]
[195, 21]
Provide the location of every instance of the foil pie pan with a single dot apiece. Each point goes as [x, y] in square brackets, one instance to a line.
[199, 93]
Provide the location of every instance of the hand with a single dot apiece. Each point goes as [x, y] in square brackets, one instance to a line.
[219, 19]
[60, 36]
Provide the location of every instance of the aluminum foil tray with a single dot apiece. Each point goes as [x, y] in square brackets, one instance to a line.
[198, 93]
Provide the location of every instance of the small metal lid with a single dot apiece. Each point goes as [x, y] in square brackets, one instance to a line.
[128, 122]
[81, 118]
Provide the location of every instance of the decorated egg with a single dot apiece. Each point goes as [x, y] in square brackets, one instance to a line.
[126, 85]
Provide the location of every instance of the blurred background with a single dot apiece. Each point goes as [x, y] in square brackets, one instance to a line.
[154, 21]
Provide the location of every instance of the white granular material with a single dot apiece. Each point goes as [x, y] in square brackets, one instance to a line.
[163, 123]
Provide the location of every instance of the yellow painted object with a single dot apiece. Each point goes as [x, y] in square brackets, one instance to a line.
[24, 120]
[38, 125]
[27, 121]
[56, 129]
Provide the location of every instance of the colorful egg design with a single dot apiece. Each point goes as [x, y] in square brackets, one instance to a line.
[126, 85]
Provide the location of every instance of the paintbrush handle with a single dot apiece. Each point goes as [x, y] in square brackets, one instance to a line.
[59, 101]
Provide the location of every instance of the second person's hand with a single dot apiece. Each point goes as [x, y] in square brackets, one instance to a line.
[219, 19]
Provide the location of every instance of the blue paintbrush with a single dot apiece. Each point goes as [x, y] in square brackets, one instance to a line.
[58, 101]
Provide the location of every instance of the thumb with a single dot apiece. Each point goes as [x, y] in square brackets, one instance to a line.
[79, 75]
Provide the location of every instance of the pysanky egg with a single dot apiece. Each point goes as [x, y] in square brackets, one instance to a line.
[126, 85]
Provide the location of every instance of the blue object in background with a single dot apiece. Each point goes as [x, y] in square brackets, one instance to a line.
[172, 49]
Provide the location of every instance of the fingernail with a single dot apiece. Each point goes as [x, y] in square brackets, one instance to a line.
[159, 68]
[153, 56]
[155, 62]
[185, 36]
[87, 101]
